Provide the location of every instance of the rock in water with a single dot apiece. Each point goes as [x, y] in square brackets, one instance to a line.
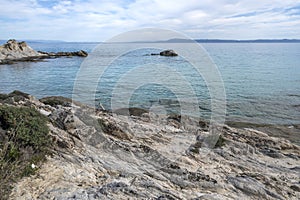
[82, 53]
[13, 51]
[168, 53]
[16, 50]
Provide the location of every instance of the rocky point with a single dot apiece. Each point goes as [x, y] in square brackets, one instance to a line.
[13, 51]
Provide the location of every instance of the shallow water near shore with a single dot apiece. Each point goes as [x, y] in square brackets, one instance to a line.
[262, 81]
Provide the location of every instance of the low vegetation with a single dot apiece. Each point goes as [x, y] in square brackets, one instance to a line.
[56, 100]
[13, 97]
[24, 142]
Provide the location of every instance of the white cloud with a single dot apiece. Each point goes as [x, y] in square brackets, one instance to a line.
[90, 20]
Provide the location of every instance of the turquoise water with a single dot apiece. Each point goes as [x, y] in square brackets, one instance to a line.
[262, 80]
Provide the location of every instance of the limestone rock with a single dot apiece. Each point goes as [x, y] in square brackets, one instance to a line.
[13, 51]
[103, 155]
[16, 50]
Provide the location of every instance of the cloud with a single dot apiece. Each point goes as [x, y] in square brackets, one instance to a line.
[93, 20]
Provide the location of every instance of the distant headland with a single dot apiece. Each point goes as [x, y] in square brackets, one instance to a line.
[181, 40]
[177, 40]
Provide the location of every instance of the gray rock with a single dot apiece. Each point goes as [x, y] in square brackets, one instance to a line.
[16, 50]
[252, 187]
[272, 153]
[100, 155]
[168, 53]
[296, 187]
[130, 111]
[81, 53]
[13, 51]
[166, 197]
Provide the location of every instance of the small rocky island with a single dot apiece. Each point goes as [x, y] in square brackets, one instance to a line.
[13, 51]
[54, 148]
[168, 53]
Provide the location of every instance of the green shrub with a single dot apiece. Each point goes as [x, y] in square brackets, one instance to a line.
[26, 126]
[18, 93]
[25, 141]
[3, 96]
[14, 96]
[12, 153]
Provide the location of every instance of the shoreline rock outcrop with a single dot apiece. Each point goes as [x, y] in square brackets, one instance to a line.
[13, 51]
[80, 53]
[102, 155]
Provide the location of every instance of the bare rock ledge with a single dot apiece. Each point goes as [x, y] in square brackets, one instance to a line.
[100, 155]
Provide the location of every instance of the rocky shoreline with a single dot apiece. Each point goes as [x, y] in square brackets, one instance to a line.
[102, 155]
[13, 51]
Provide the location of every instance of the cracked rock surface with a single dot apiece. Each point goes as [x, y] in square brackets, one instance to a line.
[100, 155]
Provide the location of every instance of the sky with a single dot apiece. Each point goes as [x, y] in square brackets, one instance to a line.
[99, 20]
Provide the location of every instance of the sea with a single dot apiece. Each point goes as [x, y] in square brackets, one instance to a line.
[261, 80]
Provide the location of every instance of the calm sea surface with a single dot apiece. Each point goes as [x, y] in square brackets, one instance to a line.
[262, 80]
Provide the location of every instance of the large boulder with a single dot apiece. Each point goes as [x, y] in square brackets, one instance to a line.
[168, 53]
[17, 50]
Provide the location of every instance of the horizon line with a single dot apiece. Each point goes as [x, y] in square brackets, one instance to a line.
[168, 40]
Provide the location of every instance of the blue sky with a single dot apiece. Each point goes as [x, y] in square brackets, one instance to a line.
[99, 20]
